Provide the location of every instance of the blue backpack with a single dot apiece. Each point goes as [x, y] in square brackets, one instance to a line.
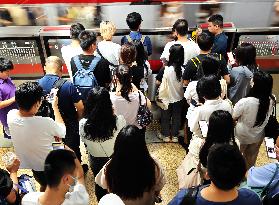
[85, 78]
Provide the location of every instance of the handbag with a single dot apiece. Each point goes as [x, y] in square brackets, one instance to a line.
[162, 95]
[144, 116]
[272, 126]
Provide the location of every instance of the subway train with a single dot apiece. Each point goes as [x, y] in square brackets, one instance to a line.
[30, 31]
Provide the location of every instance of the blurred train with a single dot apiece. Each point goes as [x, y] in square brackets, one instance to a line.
[34, 29]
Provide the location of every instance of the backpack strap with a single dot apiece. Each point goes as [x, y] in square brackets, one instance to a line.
[59, 83]
[194, 61]
[129, 39]
[78, 63]
[266, 188]
[93, 64]
[142, 39]
[111, 64]
[191, 196]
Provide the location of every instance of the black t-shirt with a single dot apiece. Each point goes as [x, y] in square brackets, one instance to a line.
[101, 72]
[190, 72]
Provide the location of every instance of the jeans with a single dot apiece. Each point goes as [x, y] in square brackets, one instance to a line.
[96, 164]
[171, 119]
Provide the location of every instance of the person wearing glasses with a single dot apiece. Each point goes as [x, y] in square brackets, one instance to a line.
[65, 181]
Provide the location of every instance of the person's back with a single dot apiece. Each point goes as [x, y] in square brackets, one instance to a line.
[74, 48]
[134, 20]
[106, 48]
[191, 49]
[245, 56]
[64, 179]
[69, 103]
[89, 70]
[226, 169]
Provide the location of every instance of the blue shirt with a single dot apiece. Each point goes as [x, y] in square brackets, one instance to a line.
[220, 44]
[136, 35]
[260, 176]
[68, 95]
[245, 197]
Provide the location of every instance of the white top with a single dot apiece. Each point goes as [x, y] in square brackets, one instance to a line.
[101, 149]
[32, 138]
[110, 51]
[111, 199]
[128, 109]
[204, 111]
[78, 197]
[175, 87]
[67, 53]
[246, 111]
[191, 49]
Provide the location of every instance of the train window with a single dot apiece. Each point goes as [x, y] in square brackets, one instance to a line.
[24, 54]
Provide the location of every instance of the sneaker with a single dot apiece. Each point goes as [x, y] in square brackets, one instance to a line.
[167, 139]
[174, 139]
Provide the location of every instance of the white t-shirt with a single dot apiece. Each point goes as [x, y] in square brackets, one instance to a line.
[175, 87]
[101, 149]
[67, 53]
[246, 111]
[128, 109]
[110, 51]
[78, 197]
[203, 113]
[191, 49]
[32, 138]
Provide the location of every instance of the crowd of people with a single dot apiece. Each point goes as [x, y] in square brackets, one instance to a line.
[225, 109]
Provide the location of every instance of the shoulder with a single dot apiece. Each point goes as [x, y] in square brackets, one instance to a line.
[31, 198]
[78, 197]
[178, 197]
[246, 195]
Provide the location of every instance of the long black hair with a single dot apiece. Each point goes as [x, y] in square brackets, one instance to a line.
[131, 171]
[101, 121]
[220, 130]
[176, 59]
[262, 89]
[124, 76]
[245, 55]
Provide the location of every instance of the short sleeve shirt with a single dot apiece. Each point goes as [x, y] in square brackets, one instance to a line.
[220, 44]
[68, 92]
[244, 197]
[191, 67]
[7, 91]
[101, 72]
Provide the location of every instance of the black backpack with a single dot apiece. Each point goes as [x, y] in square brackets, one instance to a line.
[46, 108]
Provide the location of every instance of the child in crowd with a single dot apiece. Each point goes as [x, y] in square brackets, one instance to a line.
[134, 22]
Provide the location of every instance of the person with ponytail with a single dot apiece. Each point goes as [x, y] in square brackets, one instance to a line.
[252, 114]
[126, 99]
[98, 130]
[172, 80]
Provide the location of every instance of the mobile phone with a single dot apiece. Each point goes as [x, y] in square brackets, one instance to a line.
[51, 95]
[270, 148]
[203, 127]
[58, 145]
[231, 58]
[193, 102]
